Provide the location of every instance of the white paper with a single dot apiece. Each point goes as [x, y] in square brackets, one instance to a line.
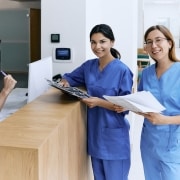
[142, 101]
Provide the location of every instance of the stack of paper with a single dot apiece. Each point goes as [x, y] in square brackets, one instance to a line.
[142, 101]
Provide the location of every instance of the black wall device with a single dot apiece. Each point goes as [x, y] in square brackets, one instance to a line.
[63, 53]
[55, 38]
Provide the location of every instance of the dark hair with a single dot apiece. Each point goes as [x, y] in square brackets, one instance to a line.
[168, 35]
[108, 33]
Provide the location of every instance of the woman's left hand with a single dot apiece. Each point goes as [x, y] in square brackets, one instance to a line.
[155, 118]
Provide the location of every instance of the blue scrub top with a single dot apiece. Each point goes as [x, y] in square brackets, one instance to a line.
[108, 131]
[163, 141]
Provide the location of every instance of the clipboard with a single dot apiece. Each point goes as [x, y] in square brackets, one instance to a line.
[74, 91]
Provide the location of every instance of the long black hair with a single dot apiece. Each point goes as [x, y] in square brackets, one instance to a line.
[108, 33]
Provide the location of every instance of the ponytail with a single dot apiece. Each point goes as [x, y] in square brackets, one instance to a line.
[115, 53]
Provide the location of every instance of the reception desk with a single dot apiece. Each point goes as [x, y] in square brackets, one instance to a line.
[45, 140]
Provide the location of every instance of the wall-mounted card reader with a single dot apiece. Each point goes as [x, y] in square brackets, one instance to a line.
[62, 54]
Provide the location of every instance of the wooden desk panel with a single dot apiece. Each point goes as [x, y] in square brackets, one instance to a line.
[45, 140]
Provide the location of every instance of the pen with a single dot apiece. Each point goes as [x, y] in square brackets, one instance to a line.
[3, 73]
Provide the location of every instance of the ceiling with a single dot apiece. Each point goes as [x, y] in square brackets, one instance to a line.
[26, 0]
[161, 1]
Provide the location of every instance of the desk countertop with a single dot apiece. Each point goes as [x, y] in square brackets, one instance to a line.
[36, 120]
[45, 139]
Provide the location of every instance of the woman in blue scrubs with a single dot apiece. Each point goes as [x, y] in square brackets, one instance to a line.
[108, 131]
[160, 138]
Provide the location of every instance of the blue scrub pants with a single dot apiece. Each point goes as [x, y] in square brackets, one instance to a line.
[155, 169]
[110, 169]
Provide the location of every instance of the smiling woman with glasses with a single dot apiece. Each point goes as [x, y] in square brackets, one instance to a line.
[160, 137]
[165, 34]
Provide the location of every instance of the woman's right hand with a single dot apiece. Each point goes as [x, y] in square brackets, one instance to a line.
[9, 84]
[118, 109]
[64, 82]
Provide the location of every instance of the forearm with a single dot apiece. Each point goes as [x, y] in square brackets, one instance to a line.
[95, 101]
[106, 104]
[3, 96]
[172, 119]
[160, 119]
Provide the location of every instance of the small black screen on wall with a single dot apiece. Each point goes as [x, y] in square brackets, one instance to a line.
[63, 53]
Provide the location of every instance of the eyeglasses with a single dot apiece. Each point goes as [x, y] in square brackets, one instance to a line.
[157, 41]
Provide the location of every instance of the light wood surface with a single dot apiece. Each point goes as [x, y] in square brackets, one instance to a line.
[45, 140]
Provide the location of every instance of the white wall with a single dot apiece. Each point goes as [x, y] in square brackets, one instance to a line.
[73, 20]
[94, 15]
[170, 12]
[68, 19]
[140, 23]
[74, 25]
[123, 19]
[91, 13]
